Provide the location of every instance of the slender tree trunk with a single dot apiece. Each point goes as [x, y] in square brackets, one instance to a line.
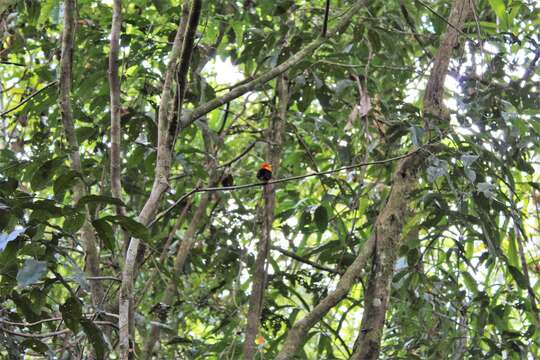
[116, 131]
[66, 62]
[114, 84]
[256, 301]
[160, 185]
[388, 235]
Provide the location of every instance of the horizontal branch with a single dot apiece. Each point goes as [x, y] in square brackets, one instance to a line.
[35, 336]
[99, 278]
[11, 63]
[30, 324]
[277, 181]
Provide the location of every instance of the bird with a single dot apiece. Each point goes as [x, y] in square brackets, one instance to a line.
[265, 172]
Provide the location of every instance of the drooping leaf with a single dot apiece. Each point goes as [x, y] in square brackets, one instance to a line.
[132, 226]
[71, 311]
[32, 272]
[105, 233]
[518, 276]
[44, 173]
[64, 182]
[321, 218]
[95, 337]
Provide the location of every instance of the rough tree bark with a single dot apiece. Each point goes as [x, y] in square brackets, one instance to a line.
[388, 235]
[114, 83]
[65, 81]
[275, 140]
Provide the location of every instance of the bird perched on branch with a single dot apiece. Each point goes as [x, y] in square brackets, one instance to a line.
[265, 172]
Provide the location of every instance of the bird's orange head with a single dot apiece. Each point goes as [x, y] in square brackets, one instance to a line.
[266, 166]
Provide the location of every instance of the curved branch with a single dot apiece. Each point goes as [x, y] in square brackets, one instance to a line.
[204, 109]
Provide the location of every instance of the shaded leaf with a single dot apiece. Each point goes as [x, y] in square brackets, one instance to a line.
[71, 313]
[95, 337]
[101, 199]
[518, 276]
[321, 218]
[105, 233]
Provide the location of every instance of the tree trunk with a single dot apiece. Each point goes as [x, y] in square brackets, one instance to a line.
[388, 234]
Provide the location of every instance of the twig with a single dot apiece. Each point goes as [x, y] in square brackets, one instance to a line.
[446, 21]
[99, 278]
[22, 324]
[34, 94]
[11, 63]
[241, 155]
[34, 336]
[305, 261]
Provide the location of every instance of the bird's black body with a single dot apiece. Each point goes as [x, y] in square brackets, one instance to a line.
[264, 174]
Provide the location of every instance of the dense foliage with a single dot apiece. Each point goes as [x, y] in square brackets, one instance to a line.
[467, 278]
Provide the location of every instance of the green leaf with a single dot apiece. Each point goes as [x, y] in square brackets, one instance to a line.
[518, 276]
[72, 313]
[32, 272]
[105, 233]
[498, 7]
[43, 175]
[48, 206]
[46, 9]
[321, 218]
[101, 199]
[305, 219]
[95, 337]
[85, 133]
[65, 182]
[74, 222]
[36, 345]
[161, 5]
[470, 282]
[134, 227]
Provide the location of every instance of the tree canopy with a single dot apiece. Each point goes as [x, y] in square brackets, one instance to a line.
[402, 220]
